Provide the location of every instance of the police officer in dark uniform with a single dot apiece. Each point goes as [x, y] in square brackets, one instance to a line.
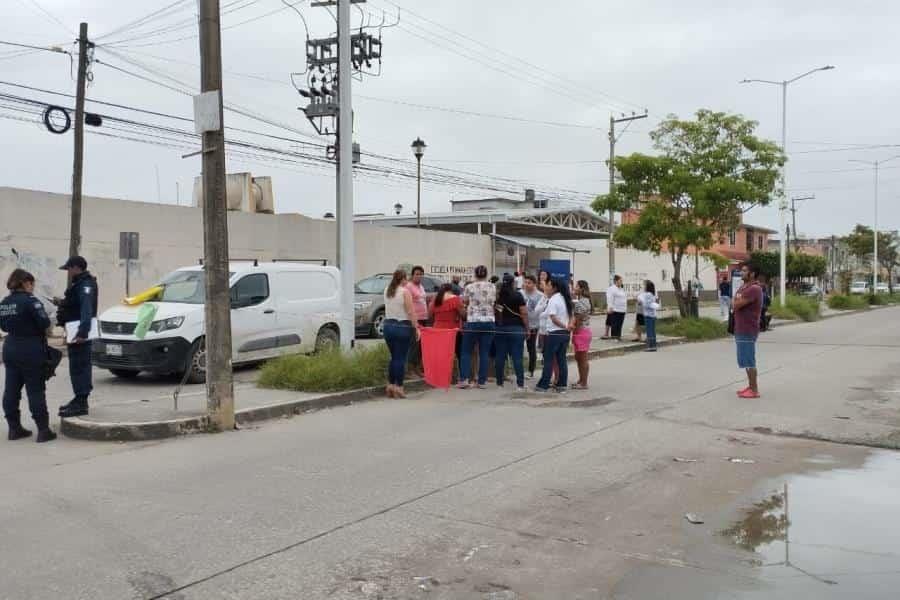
[23, 317]
[78, 304]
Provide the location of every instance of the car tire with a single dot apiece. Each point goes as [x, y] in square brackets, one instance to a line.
[125, 373]
[378, 325]
[327, 339]
[196, 364]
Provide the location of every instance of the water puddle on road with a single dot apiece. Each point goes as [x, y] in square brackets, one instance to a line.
[834, 534]
[829, 534]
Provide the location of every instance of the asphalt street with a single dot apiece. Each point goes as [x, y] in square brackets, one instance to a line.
[460, 494]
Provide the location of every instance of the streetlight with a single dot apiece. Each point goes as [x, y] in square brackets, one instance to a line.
[398, 208]
[782, 206]
[875, 164]
[418, 147]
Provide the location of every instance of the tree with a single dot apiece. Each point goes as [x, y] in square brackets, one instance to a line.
[708, 171]
[861, 243]
[799, 265]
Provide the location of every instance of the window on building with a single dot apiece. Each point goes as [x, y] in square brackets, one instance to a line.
[759, 242]
[732, 238]
[748, 239]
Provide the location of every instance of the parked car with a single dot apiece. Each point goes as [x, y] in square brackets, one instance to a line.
[859, 287]
[883, 288]
[370, 302]
[276, 308]
[810, 289]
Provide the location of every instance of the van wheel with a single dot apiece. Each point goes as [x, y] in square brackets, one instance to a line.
[378, 324]
[125, 373]
[327, 340]
[196, 369]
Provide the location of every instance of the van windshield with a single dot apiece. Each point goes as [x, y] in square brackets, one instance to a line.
[186, 287]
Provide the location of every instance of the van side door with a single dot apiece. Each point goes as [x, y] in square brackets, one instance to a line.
[253, 318]
[309, 300]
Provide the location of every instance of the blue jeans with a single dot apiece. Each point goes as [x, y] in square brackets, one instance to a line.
[398, 335]
[483, 333]
[650, 325]
[746, 350]
[555, 345]
[510, 341]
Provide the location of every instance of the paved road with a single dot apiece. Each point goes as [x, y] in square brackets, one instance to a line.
[466, 494]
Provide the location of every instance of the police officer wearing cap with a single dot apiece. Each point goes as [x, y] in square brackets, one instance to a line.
[23, 317]
[78, 304]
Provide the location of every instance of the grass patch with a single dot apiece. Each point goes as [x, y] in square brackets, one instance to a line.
[878, 299]
[847, 302]
[796, 308]
[693, 329]
[327, 372]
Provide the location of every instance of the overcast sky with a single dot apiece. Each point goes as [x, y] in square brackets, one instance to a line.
[594, 57]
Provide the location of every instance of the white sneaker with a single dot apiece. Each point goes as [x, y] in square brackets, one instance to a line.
[529, 375]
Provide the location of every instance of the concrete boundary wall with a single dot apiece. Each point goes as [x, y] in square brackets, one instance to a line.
[36, 225]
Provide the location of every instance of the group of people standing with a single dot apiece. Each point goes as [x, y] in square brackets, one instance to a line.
[25, 349]
[647, 308]
[498, 321]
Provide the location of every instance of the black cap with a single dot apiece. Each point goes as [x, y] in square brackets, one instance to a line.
[507, 278]
[75, 261]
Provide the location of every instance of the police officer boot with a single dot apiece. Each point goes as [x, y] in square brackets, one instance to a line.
[16, 431]
[66, 406]
[45, 435]
[78, 407]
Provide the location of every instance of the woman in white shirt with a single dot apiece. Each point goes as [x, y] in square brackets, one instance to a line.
[559, 325]
[649, 302]
[400, 328]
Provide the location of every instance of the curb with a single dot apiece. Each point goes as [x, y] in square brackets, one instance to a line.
[99, 431]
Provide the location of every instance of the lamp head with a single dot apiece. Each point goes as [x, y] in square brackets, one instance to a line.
[418, 147]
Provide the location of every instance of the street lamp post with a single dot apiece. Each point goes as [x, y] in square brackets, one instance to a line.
[782, 205]
[875, 164]
[418, 147]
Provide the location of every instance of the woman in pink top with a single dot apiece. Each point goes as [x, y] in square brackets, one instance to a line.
[420, 306]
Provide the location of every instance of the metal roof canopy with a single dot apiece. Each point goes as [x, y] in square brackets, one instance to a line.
[545, 224]
[538, 244]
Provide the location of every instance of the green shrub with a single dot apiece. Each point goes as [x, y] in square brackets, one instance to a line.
[327, 372]
[797, 308]
[691, 328]
[847, 302]
[878, 299]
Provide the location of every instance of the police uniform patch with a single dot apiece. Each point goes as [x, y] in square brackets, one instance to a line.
[87, 289]
[38, 305]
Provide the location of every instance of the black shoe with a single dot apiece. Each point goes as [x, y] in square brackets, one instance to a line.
[45, 435]
[74, 410]
[18, 433]
[67, 406]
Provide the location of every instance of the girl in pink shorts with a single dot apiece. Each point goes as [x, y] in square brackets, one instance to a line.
[581, 336]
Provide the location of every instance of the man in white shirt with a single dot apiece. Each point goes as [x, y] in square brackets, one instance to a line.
[520, 281]
[616, 307]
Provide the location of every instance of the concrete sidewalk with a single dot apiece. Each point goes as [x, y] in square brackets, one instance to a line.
[132, 417]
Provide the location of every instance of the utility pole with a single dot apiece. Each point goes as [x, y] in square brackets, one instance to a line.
[217, 309]
[612, 184]
[794, 201]
[345, 177]
[84, 47]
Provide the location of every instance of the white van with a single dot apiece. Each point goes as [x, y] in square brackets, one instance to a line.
[276, 308]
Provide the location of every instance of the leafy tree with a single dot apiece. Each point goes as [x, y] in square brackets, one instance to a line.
[799, 266]
[707, 172]
[861, 243]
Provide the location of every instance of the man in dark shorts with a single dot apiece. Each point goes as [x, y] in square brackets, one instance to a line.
[748, 303]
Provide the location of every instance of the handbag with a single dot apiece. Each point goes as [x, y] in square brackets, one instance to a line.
[731, 322]
[52, 358]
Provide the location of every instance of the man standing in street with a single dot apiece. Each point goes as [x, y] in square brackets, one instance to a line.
[747, 307]
[724, 296]
[79, 304]
[616, 306]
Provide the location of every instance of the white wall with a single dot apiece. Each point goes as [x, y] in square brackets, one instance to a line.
[36, 225]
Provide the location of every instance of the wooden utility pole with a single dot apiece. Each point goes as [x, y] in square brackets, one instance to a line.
[219, 383]
[612, 185]
[78, 162]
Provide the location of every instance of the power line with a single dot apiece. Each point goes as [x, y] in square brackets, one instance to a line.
[51, 16]
[163, 12]
[182, 24]
[515, 58]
